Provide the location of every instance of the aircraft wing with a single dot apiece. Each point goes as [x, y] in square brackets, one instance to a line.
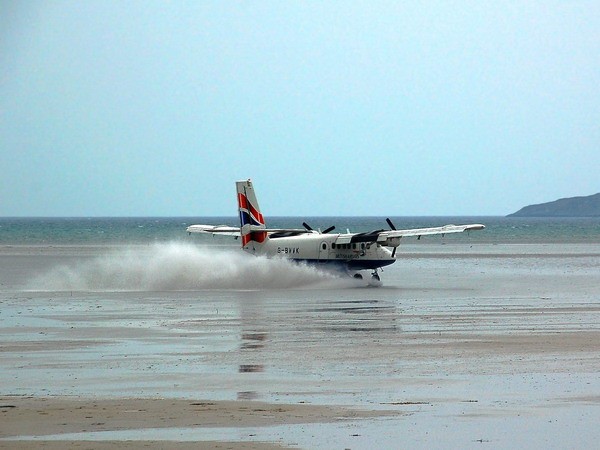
[428, 231]
[392, 237]
[384, 237]
[226, 230]
[223, 230]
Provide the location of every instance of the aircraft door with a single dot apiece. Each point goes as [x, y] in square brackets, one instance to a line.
[323, 251]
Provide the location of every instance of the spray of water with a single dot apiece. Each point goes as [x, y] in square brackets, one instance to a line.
[179, 266]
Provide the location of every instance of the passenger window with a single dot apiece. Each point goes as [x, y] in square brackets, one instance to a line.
[323, 246]
[333, 245]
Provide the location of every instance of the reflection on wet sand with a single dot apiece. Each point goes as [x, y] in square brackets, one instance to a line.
[253, 340]
[250, 342]
[247, 395]
[251, 368]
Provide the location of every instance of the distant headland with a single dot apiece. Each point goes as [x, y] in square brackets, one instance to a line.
[565, 207]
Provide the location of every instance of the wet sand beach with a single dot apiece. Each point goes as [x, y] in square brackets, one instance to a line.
[61, 415]
[464, 346]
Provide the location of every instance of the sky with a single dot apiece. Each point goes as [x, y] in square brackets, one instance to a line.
[405, 108]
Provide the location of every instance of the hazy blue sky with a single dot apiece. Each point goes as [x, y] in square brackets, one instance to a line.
[113, 108]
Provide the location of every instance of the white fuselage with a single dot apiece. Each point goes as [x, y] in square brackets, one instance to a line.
[322, 249]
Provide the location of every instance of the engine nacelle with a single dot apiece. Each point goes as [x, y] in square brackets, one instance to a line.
[391, 242]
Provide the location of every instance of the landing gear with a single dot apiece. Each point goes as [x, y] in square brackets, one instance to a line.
[375, 280]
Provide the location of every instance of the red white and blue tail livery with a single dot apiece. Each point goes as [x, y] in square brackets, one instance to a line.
[350, 252]
[252, 222]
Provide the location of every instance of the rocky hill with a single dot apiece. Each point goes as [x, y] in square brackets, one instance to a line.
[565, 207]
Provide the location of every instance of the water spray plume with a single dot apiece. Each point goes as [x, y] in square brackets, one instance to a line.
[180, 266]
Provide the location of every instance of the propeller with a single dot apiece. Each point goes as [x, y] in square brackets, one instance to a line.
[392, 227]
[325, 231]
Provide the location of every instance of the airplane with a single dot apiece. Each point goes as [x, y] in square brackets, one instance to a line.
[346, 252]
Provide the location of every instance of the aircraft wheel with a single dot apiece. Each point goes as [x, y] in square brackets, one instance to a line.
[375, 280]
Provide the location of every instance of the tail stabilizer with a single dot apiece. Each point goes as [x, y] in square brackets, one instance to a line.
[252, 222]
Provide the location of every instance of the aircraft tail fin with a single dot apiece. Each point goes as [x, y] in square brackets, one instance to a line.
[252, 222]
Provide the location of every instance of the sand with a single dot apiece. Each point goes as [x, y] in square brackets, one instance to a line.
[51, 416]
[494, 345]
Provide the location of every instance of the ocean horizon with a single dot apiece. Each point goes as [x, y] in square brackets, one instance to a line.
[142, 230]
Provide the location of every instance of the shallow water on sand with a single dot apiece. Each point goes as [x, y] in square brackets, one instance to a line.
[470, 343]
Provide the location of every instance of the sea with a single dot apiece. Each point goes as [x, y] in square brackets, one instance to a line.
[143, 230]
